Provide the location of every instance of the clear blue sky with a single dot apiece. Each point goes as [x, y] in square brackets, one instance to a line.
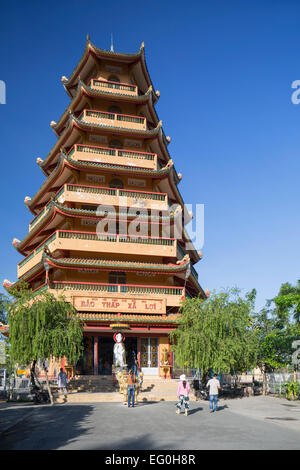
[224, 71]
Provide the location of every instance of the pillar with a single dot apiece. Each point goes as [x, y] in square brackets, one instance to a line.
[139, 351]
[96, 338]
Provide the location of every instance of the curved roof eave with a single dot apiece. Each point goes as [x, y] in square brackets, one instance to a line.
[91, 49]
[84, 125]
[83, 89]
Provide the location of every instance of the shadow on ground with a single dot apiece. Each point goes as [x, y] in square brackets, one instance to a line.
[46, 426]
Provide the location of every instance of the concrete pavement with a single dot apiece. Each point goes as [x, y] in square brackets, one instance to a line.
[248, 423]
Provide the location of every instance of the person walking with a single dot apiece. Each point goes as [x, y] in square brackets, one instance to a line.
[183, 391]
[62, 381]
[214, 386]
[131, 384]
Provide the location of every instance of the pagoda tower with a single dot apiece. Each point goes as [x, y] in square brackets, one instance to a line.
[104, 219]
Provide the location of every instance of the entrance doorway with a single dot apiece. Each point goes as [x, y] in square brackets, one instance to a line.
[85, 364]
[149, 356]
[105, 355]
[130, 348]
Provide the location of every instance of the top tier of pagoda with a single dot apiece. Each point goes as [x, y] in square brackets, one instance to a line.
[110, 149]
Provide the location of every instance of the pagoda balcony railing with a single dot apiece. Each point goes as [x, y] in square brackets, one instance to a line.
[77, 193]
[115, 87]
[113, 156]
[113, 119]
[173, 295]
[80, 194]
[99, 243]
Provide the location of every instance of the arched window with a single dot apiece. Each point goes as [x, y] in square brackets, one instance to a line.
[115, 144]
[113, 78]
[117, 277]
[115, 109]
[116, 183]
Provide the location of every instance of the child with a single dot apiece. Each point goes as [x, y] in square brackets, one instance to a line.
[183, 391]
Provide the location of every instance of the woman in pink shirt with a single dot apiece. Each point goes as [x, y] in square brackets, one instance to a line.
[183, 391]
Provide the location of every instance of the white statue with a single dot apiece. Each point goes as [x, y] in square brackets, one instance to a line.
[119, 351]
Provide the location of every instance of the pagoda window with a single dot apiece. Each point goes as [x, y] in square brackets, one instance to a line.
[117, 277]
[115, 110]
[113, 78]
[116, 183]
[115, 144]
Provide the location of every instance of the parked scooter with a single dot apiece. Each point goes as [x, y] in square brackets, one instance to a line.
[39, 396]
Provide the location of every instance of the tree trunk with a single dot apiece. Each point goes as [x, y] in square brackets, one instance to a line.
[264, 390]
[204, 378]
[32, 373]
[48, 386]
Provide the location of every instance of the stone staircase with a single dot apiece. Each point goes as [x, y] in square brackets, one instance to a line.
[102, 389]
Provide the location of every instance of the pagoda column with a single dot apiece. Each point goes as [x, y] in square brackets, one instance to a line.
[96, 342]
[139, 351]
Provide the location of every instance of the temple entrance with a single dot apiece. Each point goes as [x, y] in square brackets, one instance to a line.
[85, 365]
[130, 348]
[105, 355]
[149, 356]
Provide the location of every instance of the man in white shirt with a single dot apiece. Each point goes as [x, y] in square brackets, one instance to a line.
[214, 387]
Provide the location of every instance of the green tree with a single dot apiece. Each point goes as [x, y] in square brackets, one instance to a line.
[287, 305]
[277, 327]
[43, 327]
[216, 333]
[3, 309]
[274, 344]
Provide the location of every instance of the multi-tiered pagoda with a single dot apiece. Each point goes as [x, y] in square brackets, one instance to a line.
[104, 221]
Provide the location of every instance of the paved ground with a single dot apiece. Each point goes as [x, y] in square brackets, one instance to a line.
[248, 423]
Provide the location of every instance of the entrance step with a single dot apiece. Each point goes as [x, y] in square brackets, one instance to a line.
[92, 384]
[101, 389]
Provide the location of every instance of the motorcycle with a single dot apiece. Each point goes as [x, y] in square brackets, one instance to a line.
[39, 396]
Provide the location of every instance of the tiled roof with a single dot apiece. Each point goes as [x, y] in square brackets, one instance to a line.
[104, 317]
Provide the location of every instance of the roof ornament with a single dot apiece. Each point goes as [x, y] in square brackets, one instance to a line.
[27, 200]
[184, 260]
[7, 283]
[200, 254]
[179, 176]
[88, 37]
[64, 79]
[157, 93]
[16, 242]
[39, 160]
[142, 45]
[207, 293]
[52, 123]
[168, 138]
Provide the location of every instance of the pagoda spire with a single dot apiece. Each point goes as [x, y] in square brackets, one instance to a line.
[112, 43]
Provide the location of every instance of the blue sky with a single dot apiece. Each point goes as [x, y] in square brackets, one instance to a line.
[224, 71]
